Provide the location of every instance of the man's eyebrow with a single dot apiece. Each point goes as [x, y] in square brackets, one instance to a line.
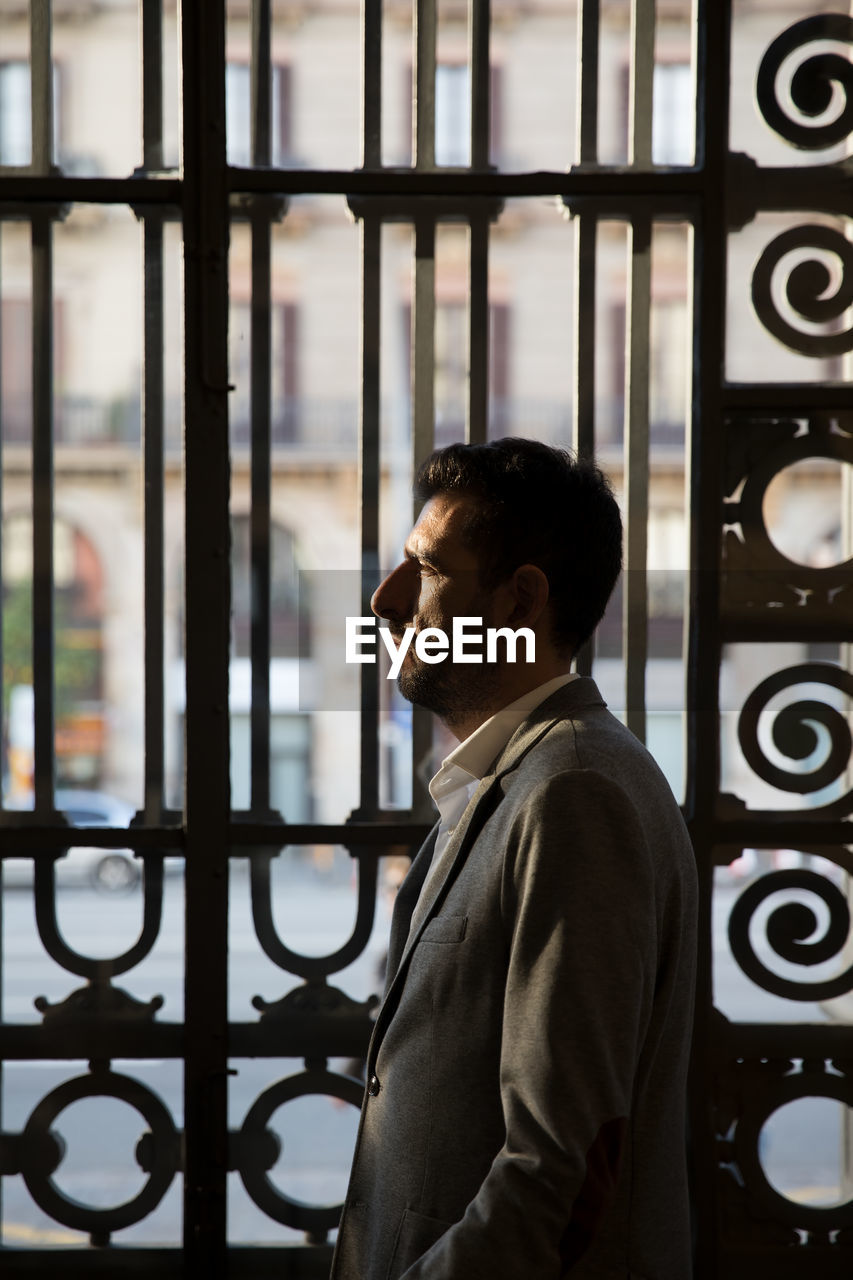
[422, 557]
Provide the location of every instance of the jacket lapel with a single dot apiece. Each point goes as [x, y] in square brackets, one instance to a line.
[405, 902]
[574, 697]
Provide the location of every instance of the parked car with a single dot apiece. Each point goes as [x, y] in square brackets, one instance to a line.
[110, 870]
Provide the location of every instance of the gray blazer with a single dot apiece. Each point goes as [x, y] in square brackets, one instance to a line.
[524, 1115]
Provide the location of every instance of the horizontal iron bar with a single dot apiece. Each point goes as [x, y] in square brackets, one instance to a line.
[763, 830]
[27, 189]
[826, 187]
[23, 841]
[783, 1261]
[788, 628]
[29, 838]
[356, 833]
[258, 1262]
[112, 1041]
[295, 1036]
[778, 1040]
[624, 183]
[800, 398]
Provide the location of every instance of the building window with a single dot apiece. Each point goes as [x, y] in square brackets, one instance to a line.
[284, 372]
[16, 146]
[289, 620]
[451, 368]
[453, 114]
[669, 373]
[238, 112]
[673, 118]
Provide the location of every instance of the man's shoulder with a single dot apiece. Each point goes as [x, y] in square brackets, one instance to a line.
[573, 726]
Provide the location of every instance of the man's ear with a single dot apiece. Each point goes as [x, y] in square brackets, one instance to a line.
[530, 591]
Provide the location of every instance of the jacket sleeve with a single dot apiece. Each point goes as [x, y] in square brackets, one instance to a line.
[578, 902]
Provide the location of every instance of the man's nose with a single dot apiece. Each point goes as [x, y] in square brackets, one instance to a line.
[396, 596]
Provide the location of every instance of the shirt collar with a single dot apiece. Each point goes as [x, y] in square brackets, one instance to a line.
[480, 748]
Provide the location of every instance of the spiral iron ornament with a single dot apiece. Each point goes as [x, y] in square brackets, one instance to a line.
[811, 86]
[794, 733]
[807, 290]
[788, 927]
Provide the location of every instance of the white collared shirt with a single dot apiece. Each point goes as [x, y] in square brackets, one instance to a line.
[461, 771]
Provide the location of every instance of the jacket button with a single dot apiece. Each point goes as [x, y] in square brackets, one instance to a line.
[373, 1086]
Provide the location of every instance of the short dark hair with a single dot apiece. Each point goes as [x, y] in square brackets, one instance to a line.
[536, 505]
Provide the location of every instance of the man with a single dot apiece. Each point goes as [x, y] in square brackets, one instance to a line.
[523, 1118]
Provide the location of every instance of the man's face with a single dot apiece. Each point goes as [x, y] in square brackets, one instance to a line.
[437, 581]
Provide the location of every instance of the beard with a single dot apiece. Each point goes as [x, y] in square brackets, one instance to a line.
[455, 693]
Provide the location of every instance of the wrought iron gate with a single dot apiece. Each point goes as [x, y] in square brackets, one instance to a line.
[742, 591]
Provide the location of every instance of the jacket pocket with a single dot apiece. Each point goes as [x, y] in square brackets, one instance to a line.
[445, 929]
[416, 1234]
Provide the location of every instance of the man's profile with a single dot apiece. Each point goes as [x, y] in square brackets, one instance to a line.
[523, 1117]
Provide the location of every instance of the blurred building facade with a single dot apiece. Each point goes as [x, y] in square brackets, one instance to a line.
[314, 319]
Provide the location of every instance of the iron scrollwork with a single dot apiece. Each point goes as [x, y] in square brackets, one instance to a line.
[157, 1153]
[761, 1088]
[807, 290]
[789, 929]
[794, 733]
[812, 84]
[756, 573]
[257, 1149]
[100, 999]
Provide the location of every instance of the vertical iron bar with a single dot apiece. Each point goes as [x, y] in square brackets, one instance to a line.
[423, 341]
[260, 417]
[477, 423]
[423, 139]
[152, 414]
[43, 487]
[586, 238]
[589, 19]
[261, 85]
[423, 437]
[152, 427]
[635, 616]
[41, 93]
[259, 523]
[704, 460]
[205, 213]
[583, 418]
[371, 91]
[586, 241]
[41, 107]
[641, 83]
[368, 464]
[152, 85]
[479, 22]
[477, 409]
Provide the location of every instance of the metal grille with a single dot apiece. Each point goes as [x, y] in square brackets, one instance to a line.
[740, 589]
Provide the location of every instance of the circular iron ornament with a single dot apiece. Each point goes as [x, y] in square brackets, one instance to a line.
[819, 442]
[791, 1088]
[811, 87]
[792, 733]
[787, 926]
[83, 1217]
[275, 1204]
[806, 290]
